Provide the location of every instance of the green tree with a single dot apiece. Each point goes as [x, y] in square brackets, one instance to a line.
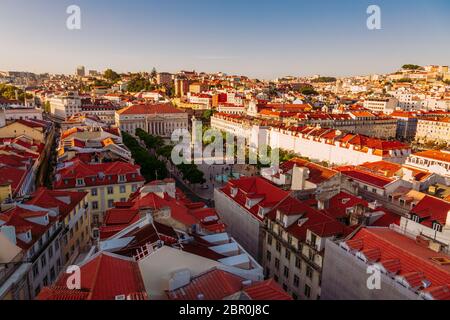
[411, 67]
[153, 74]
[324, 79]
[111, 75]
[308, 91]
[151, 168]
[47, 106]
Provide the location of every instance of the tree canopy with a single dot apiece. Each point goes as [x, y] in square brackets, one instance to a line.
[111, 75]
[151, 168]
[324, 79]
[411, 67]
[9, 92]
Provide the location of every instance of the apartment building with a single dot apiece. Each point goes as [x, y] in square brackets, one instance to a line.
[384, 264]
[317, 143]
[36, 231]
[433, 129]
[385, 105]
[106, 183]
[164, 78]
[65, 105]
[74, 217]
[285, 234]
[436, 161]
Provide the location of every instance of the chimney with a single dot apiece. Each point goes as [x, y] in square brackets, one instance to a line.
[300, 175]
[323, 204]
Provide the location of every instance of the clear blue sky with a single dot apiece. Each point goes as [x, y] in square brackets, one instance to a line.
[263, 38]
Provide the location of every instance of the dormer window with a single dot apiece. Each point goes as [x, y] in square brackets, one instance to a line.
[234, 192]
[437, 227]
[122, 178]
[80, 182]
[261, 212]
[415, 218]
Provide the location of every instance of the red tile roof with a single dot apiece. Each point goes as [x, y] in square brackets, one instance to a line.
[431, 209]
[65, 201]
[317, 173]
[434, 154]
[339, 204]
[366, 177]
[158, 108]
[217, 285]
[103, 277]
[279, 200]
[13, 176]
[266, 290]
[405, 258]
[66, 177]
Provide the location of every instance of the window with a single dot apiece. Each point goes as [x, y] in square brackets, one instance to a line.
[307, 291]
[45, 281]
[110, 203]
[278, 246]
[94, 205]
[269, 239]
[134, 188]
[298, 263]
[309, 272]
[80, 182]
[296, 281]
[37, 290]
[123, 199]
[287, 255]
[285, 287]
[277, 263]
[313, 239]
[43, 261]
[94, 192]
[35, 270]
[50, 251]
[123, 189]
[110, 190]
[121, 178]
[275, 277]
[437, 227]
[286, 272]
[269, 255]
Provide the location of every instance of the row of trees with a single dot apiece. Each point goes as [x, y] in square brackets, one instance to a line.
[411, 67]
[151, 167]
[190, 172]
[324, 79]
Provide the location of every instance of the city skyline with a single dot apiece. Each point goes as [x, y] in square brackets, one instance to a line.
[262, 41]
